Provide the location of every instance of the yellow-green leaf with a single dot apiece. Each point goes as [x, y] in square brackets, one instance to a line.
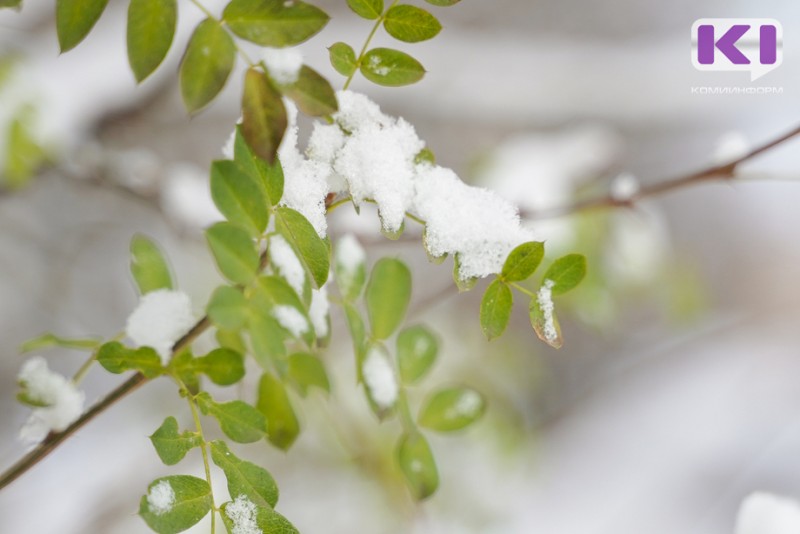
[496, 309]
[566, 273]
[117, 358]
[237, 419]
[171, 446]
[369, 9]
[264, 117]
[175, 503]
[274, 22]
[343, 58]
[245, 478]
[239, 196]
[312, 93]
[227, 308]
[452, 409]
[307, 371]
[151, 27]
[391, 68]
[411, 24]
[273, 401]
[75, 19]
[206, 65]
[234, 251]
[418, 465]
[311, 250]
[148, 266]
[387, 297]
[417, 348]
[523, 261]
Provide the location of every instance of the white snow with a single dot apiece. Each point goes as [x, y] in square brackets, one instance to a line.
[544, 297]
[283, 64]
[228, 147]
[380, 379]
[350, 254]
[291, 319]
[624, 187]
[473, 222]
[468, 404]
[242, 513]
[318, 311]
[305, 180]
[765, 513]
[288, 265]
[161, 318]
[161, 498]
[64, 402]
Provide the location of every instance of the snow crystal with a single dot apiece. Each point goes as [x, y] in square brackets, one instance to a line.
[228, 147]
[349, 253]
[161, 498]
[285, 260]
[161, 318]
[379, 378]
[544, 297]
[764, 513]
[318, 311]
[305, 180]
[64, 402]
[377, 159]
[291, 319]
[242, 513]
[473, 222]
[624, 187]
[283, 64]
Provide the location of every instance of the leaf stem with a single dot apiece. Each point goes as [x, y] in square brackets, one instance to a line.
[360, 58]
[216, 19]
[522, 289]
[203, 450]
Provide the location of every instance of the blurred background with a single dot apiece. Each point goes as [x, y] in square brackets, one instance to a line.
[676, 393]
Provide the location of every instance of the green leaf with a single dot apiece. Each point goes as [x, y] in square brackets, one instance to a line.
[271, 176]
[358, 333]
[496, 309]
[312, 93]
[51, 340]
[566, 273]
[391, 68]
[172, 446]
[550, 334]
[192, 501]
[267, 520]
[239, 197]
[227, 308]
[224, 367]
[411, 24]
[234, 252]
[231, 339]
[343, 58]
[264, 117]
[307, 371]
[245, 478]
[349, 268]
[418, 465]
[75, 19]
[425, 155]
[268, 338]
[183, 364]
[273, 291]
[237, 419]
[117, 358]
[148, 266]
[273, 401]
[310, 249]
[24, 154]
[11, 3]
[208, 62]
[274, 22]
[417, 348]
[452, 409]
[369, 9]
[151, 27]
[387, 297]
[523, 261]
[443, 3]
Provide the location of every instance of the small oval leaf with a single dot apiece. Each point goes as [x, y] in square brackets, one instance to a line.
[369, 9]
[117, 358]
[343, 58]
[274, 22]
[273, 401]
[237, 419]
[391, 68]
[245, 478]
[312, 93]
[496, 309]
[411, 24]
[418, 465]
[566, 273]
[227, 308]
[175, 503]
[208, 62]
[151, 27]
[387, 297]
[75, 19]
[171, 446]
[148, 266]
[264, 118]
[224, 367]
[311, 250]
[417, 348]
[239, 197]
[234, 252]
[307, 371]
[523, 261]
[452, 409]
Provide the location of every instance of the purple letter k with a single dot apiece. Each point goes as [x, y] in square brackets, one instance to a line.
[726, 44]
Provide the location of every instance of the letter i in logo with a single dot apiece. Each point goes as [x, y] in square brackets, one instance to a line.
[754, 45]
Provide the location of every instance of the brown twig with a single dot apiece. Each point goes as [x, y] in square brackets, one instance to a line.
[717, 172]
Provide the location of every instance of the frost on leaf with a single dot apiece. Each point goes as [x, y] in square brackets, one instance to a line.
[161, 318]
[291, 319]
[61, 403]
[544, 297]
[379, 378]
[161, 498]
[285, 260]
[243, 516]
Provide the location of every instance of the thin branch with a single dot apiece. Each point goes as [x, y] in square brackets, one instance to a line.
[717, 172]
